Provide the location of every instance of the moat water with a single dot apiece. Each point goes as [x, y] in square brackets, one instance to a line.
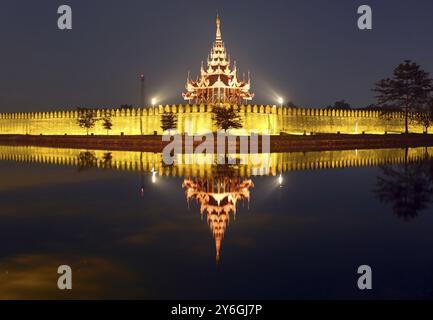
[130, 227]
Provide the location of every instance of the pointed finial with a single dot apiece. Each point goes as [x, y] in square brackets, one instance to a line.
[218, 25]
[217, 249]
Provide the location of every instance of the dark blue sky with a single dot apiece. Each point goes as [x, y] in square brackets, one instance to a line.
[307, 51]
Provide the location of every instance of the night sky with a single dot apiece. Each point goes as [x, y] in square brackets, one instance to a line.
[310, 52]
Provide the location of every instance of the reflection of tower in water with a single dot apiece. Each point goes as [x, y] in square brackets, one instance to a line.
[217, 198]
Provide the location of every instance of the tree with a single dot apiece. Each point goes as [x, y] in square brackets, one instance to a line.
[372, 107]
[168, 121]
[290, 104]
[86, 118]
[408, 90]
[424, 116]
[340, 105]
[107, 123]
[226, 118]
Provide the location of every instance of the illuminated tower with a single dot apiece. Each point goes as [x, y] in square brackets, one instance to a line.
[217, 198]
[218, 83]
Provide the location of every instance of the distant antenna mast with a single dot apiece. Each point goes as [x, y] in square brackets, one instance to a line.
[142, 90]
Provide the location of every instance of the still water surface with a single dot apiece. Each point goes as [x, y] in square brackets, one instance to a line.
[132, 228]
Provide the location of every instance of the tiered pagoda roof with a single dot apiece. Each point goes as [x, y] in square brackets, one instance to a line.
[218, 83]
[217, 199]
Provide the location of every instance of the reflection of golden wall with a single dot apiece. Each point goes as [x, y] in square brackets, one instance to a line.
[278, 162]
[198, 119]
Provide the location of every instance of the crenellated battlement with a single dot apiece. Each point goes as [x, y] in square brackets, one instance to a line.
[264, 109]
[196, 119]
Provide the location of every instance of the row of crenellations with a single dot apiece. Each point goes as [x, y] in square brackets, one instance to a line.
[264, 109]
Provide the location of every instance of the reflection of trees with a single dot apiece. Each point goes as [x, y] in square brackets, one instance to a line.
[407, 187]
[107, 158]
[86, 160]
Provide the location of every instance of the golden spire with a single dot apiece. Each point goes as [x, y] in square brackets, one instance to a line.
[218, 204]
[224, 88]
[217, 249]
[218, 30]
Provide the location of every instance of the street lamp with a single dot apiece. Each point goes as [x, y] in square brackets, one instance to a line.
[280, 101]
[153, 102]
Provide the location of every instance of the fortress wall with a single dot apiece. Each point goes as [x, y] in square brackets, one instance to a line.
[269, 164]
[198, 119]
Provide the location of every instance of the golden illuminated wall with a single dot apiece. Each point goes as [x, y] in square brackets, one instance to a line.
[268, 164]
[198, 119]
